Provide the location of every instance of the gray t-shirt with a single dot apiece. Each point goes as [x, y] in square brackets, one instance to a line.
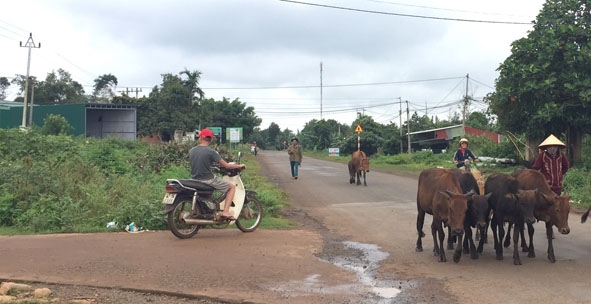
[201, 158]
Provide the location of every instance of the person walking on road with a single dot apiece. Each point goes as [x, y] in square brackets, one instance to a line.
[295, 156]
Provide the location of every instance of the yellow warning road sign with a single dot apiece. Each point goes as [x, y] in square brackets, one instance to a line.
[358, 129]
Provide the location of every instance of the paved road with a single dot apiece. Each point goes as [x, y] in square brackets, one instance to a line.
[354, 244]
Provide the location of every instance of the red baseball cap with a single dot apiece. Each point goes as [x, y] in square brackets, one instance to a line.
[206, 133]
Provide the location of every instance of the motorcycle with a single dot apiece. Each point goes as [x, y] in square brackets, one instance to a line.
[191, 205]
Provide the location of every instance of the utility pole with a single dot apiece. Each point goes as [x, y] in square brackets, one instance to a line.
[408, 126]
[29, 44]
[137, 90]
[465, 101]
[400, 117]
[32, 98]
[320, 90]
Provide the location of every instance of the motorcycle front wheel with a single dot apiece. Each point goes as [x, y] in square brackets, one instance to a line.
[251, 215]
[177, 224]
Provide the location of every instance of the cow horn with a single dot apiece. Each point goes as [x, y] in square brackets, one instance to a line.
[450, 193]
[470, 193]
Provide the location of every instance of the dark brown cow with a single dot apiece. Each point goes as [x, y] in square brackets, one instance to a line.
[439, 194]
[509, 204]
[358, 165]
[553, 209]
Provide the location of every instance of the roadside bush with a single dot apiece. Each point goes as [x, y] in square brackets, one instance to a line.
[58, 183]
[578, 184]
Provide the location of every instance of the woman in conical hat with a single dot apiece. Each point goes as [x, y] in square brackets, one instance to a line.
[551, 162]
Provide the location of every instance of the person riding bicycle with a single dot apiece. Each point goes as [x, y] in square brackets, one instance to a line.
[201, 158]
[463, 154]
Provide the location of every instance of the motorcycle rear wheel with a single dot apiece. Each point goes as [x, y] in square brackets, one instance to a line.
[176, 224]
[251, 215]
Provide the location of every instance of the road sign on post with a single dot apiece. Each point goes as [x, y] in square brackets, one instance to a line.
[358, 130]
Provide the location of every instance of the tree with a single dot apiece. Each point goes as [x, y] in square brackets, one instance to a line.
[544, 86]
[191, 81]
[55, 89]
[104, 87]
[478, 120]
[168, 108]
[171, 106]
[4, 84]
[273, 134]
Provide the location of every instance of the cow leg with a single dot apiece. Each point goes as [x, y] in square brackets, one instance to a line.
[358, 178]
[516, 259]
[482, 240]
[420, 222]
[458, 251]
[551, 256]
[436, 250]
[507, 242]
[524, 247]
[530, 249]
[466, 242]
[451, 239]
[470, 243]
[364, 182]
[497, 235]
[438, 229]
[484, 233]
[501, 232]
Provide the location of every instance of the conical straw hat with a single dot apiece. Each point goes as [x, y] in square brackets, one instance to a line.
[552, 141]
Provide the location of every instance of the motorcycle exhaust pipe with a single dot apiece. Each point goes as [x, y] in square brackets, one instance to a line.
[190, 221]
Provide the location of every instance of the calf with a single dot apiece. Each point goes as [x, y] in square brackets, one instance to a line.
[477, 215]
[509, 205]
[439, 194]
[549, 208]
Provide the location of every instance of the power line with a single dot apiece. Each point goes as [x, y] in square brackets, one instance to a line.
[406, 15]
[444, 9]
[332, 86]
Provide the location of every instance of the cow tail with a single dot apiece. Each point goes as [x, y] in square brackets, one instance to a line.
[585, 215]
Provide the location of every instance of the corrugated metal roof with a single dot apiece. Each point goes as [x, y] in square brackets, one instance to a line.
[10, 104]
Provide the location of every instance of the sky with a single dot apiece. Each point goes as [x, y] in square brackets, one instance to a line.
[292, 61]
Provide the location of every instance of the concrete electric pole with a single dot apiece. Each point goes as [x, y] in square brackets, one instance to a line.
[29, 44]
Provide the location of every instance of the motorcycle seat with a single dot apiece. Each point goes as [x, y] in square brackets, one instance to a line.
[195, 184]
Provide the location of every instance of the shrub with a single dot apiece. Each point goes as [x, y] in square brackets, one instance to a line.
[578, 184]
[55, 124]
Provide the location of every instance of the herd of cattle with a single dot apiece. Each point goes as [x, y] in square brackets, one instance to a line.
[453, 198]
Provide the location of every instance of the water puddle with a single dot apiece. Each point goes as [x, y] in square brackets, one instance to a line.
[365, 265]
[362, 260]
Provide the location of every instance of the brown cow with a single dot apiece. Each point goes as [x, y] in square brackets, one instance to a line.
[358, 165]
[440, 194]
[553, 210]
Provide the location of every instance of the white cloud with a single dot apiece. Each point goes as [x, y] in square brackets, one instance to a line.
[270, 44]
